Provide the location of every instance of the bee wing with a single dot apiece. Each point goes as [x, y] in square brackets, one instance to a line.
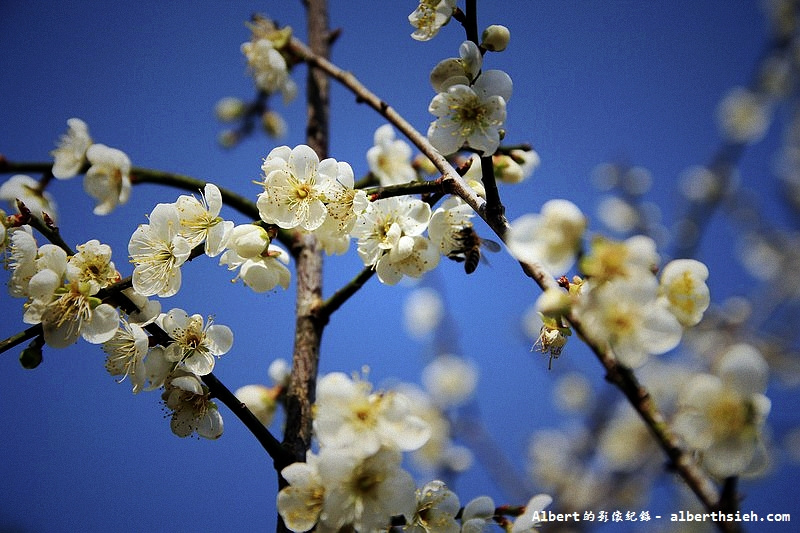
[490, 245]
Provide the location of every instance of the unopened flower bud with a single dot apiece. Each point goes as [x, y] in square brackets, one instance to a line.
[273, 124]
[424, 165]
[495, 38]
[507, 170]
[229, 109]
[228, 139]
[248, 240]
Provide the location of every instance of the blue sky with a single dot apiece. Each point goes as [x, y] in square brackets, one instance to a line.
[593, 82]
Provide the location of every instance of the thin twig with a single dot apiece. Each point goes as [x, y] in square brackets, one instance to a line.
[281, 457]
[342, 295]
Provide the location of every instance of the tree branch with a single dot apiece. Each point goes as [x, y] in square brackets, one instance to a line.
[300, 394]
[281, 457]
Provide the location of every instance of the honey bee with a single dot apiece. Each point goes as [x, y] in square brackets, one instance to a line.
[469, 249]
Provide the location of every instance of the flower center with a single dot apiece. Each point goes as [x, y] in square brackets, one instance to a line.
[729, 415]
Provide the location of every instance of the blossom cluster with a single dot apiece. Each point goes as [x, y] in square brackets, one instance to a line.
[75, 295]
[356, 479]
[620, 300]
[264, 58]
[107, 178]
[302, 192]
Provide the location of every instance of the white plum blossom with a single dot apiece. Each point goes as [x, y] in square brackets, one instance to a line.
[3, 232]
[27, 190]
[609, 259]
[722, 416]
[200, 220]
[365, 492]
[126, 352]
[450, 380]
[70, 153]
[260, 399]
[461, 70]
[261, 274]
[495, 38]
[108, 178]
[624, 443]
[629, 316]
[420, 258]
[437, 507]
[300, 503]
[192, 408]
[515, 167]
[683, 285]
[344, 204]
[387, 238]
[423, 312]
[280, 372]
[157, 368]
[92, 262]
[390, 159]
[470, 115]
[477, 515]
[743, 115]
[269, 68]
[347, 414]
[439, 453]
[296, 186]
[146, 310]
[196, 344]
[527, 522]
[157, 251]
[262, 266]
[551, 238]
[65, 304]
[22, 250]
[429, 17]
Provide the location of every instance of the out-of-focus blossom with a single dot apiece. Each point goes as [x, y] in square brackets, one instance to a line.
[260, 399]
[551, 238]
[423, 312]
[389, 158]
[527, 522]
[365, 492]
[348, 415]
[609, 259]
[450, 380]
[108, 178]
[628, 315]
[27, 190]
[743, 115]
[683, 285]
[722, 416]
[70, 153]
